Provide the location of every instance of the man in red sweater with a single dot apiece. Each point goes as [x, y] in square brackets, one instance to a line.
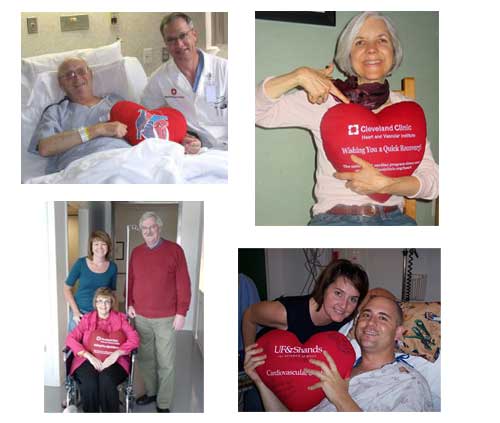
[159, 297]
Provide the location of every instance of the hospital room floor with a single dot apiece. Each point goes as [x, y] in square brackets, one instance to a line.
[188, 382]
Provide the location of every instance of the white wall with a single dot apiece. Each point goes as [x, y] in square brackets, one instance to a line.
[136, 30]
[286, 273]
[56, 305]
[385, 267]
[190, 238]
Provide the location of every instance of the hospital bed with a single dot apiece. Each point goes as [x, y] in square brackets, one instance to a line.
[152, 161]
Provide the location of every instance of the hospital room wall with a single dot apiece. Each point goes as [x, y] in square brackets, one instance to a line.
[136, 30]
[287, 274]
[183, 223]
[55, 253]
[287, 154]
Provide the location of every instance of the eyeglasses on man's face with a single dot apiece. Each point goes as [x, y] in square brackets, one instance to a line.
[181, 37]
[67, 76]
[149, 228]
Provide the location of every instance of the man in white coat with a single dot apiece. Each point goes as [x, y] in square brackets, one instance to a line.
[192, 82]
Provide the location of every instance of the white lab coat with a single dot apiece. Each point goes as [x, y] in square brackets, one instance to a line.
[206, 109]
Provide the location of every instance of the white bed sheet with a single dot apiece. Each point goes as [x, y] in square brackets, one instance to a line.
[154, 161]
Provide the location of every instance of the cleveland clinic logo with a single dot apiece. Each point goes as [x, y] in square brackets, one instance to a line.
[353, 129]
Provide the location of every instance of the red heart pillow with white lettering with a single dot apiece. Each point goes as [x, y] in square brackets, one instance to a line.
[102, 344]
[393, 140]
[165, 123]
[283, 371]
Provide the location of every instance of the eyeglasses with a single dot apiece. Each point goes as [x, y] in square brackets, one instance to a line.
[72, 74]
[148, 228]
[101, 301]
[181, 37]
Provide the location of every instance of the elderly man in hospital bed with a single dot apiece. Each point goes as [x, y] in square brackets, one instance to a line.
[378, 382]
[192, 82]
[78, 125]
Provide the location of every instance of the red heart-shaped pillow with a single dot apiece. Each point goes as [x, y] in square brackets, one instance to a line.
[165, 122]
[283, 371]
[393, 140]
[102, 344]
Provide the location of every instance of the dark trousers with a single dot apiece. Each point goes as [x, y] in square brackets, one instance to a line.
[99, 389]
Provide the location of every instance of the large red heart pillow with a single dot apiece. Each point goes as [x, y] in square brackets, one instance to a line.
[102, 344]
[283, 371]
[392, 140]
[165, 122]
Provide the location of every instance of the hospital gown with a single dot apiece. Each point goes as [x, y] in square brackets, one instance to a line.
[394, 387]
[68, 116]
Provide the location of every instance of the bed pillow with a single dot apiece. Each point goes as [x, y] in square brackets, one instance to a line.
[108, 79]
[33, 66]
[422, 335]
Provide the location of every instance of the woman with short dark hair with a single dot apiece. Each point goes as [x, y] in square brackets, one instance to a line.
[341, 286]
[94, 271]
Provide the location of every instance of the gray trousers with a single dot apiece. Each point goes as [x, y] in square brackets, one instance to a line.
[156, 357]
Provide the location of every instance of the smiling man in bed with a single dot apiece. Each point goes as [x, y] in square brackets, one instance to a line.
[378, 382]
[78, 125]
[192, 81]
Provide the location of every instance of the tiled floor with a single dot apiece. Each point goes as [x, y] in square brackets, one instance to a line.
[188, 382]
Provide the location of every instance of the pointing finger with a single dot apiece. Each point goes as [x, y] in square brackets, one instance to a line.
[337, 93]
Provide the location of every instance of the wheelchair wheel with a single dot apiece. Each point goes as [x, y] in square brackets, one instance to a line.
[128, 404]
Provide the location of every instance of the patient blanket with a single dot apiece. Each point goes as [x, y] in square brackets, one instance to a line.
[150, 162]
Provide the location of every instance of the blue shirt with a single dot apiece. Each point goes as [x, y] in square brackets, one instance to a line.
[68, 116]
[247, 295]
[89, 282]
[199, 70]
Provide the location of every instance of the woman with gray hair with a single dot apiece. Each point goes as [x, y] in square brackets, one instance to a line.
[368, 50]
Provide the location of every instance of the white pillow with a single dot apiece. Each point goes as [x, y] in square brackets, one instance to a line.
[108, 79]
[31, 67]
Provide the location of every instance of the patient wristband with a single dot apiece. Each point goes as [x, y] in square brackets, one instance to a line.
[84, 133]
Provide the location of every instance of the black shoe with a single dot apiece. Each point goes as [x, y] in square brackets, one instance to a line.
[145, 400]
[162, 410]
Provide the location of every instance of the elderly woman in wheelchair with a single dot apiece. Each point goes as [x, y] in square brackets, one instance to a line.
[101, 345]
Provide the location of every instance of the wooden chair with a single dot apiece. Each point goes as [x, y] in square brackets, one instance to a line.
[410, 204]
[408, 90]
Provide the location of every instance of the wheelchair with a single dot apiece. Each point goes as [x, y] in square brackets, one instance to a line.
[127, 396]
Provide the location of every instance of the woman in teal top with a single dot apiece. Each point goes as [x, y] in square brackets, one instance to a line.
[94, 271]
